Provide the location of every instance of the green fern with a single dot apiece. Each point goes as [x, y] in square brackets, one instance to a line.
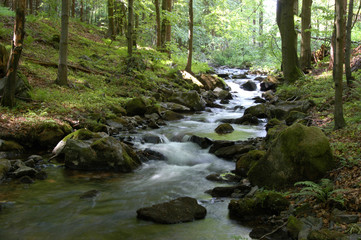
[323, 192]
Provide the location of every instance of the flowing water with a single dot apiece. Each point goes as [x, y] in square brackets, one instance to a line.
[52, 209]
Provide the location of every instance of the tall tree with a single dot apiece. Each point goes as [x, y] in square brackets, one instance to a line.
[8, 98]
[157, 19]
[111, 31]
[338, 64]
[63, 46]
[190, 40]
[260, 20]
[305, 59]
[285, 22]
[130, 27]
[348, 44]
[166, 25]
[73, 8]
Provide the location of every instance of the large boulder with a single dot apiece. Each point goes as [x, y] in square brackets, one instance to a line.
[189, 99]
[249, 86]
[137, 106]
[175, 107]
[298, 153]
[5, 166]
[260, 111]
[184, 209]
[211, 81]
[282, 109]
[224, 128]
[270, 83]
[85, 150]
[10, 146]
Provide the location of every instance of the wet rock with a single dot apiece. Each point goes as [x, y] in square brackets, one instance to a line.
[224, 101]
[171, 116]
[5, 167]
[298, 153]
[249, 86]
[222, 94]
[150, 138]
[48, 135]
[90, 194]
[220, 144]
[153, 124]
[259, 111]
[184, 209]
[189, 99]
[24, 171]
[232, 152]
[210, 82]
[149, 154]
[35, 158]
[26, 180]
[175, 107]
[325, 234]
[262, 204]
[247, 119]
[224, 177]
[260, 231]
[240, 76]
[41, 175]
[98, 153]
[259, 100]
[203, 142]
[224, 128]
[309, 224]
[228, 191]
[223, 75]
[260, 79]
[30, 163]
[270, 83]
[282, 109]
[293, 116]
[115, 124]
[270, 96]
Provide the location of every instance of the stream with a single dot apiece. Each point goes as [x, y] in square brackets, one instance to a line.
[52, 209]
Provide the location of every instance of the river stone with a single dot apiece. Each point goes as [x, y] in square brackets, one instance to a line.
[293, 116]
[150, 138]
[259, 231]
[222, 94]
[189, 99]
[184, 209]
[171, 116]
[298, 153]
[249, 86]
[149, 154]
[203, 142]
[339, 216]
[233, 151]
[26, 180]
[228, 191]
[326, 234]
[5, 166]
[105, 153]
[24, 171]
[211, 81]
[218, 144]
[260, 111]
[247, 119]
[10, 146]
[175, 107]
[137, 106]
[247, 161]
[224, 128]
[224, 177]
[270, 83]
[282, 109]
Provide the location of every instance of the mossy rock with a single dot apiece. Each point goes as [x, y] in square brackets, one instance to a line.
[8, 146]
[137, 106]
[293, 116]
[189, 99]
[260, 111]
[5, 166]
[262, 204]
[118, 110]
[49, 134]
[246, 161]
[224, 128]
[326, 234]
[81, 134]
[294, 226]
[298, 153]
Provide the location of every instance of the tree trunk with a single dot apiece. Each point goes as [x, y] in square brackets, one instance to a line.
[348, 44]
[190, 41]
[130, 28]
[135, 31]
[168, 33]
[73, 9]
[338, 65]
[260, 19]
[30, 6]
[62, 79]
[81, 10]
[164, 23]
[111, 32]
[8, 98]
[157, 17]
[305, 59]
[285, 22]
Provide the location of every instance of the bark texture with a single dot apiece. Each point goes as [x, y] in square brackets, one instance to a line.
[8, 98]
[157, 19]
[111, 31]
[130, 27]
[348, 44]
[338, 64]
[305, 60]
[285, 22]
[190, 40]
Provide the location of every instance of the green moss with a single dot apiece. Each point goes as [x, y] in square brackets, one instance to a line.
[294, 226]
[325, 234]
[81, 134]
[10, 146]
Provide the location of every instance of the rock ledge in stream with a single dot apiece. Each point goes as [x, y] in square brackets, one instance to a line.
[184, 209]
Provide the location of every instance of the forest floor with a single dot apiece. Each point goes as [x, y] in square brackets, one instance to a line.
[100, 79]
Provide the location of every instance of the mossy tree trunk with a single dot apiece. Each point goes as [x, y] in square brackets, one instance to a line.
[338, 64]
[305, 60]
[190, 40]
[8, 98]
[166, 30]
[348, 44]
[157, 19]
[62, 79]
[73, 9]
[111, 31]
[285, 22]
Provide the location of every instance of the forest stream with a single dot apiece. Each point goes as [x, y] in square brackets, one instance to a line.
[52, 209]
